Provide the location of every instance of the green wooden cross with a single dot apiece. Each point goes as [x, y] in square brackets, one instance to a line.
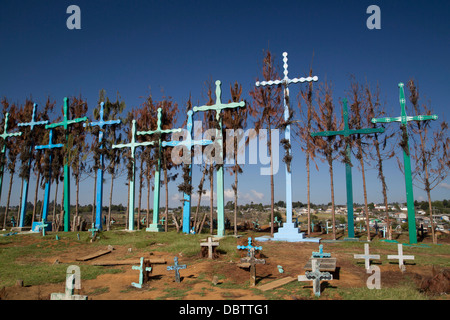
[4, 136]
[348, 168]
[143, 273]
[217, 107]
[132, 145]
[404, 119]
[65, 124]
[42, 227]
[155, 227]
[93, 230]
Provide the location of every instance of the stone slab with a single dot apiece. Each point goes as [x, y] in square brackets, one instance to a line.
[276, 283]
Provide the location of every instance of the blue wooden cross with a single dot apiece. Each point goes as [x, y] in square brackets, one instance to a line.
[142, 273]
[188, 143]
[320, 254]
[99, 197]
[132, 145]
[288, 231]
[30, 124]
[50, 145]
[42, 227]
[176, 267]
[4, 136]
[249, 246]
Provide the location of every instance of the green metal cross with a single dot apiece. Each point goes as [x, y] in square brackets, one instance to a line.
[348, 168]
[404, 119]
[65, 123]
[218, 106]
[155, 227]
[132, 145]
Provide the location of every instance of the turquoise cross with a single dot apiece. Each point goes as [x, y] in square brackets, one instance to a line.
[42, 227]
[93, 230]
[217, 107]
[99, 197]
[188, 143]
[159, 131]
[30, 124]
[142, 273]
[404, 119]
[348, 168]
[285, 82]
[65, 124]
[132, 145]
[320, 254]
[249, 246]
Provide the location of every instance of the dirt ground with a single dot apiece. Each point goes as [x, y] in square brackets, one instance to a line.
[197, 278]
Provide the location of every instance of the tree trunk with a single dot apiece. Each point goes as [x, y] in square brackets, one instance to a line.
[333, 216]
[199, 199]
[148, 199]
[35, 197]
[366, 208]
[20, 204]
[308, 193]
[211, 200]
[95, 196]
[108, 224]
[55, 200]
[272, 196]
[7, 200]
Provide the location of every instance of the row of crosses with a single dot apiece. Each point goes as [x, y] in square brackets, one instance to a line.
[189, 143]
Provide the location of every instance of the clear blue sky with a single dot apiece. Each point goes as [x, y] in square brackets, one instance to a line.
[131, 46]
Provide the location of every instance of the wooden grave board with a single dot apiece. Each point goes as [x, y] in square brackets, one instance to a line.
[94, 255]
[276, 283]
[127, 262]
[326, 264]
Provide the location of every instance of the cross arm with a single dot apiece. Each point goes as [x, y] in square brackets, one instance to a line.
[367, 130]
[327, 133]
[386, 120]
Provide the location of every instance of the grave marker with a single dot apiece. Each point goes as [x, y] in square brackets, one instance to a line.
[133, 145]
[210, 244]
[249, 246]
[65, 124]
[176, 267]
[288, 232]
[400, 257]
[144, 268]
[188, 143]
[315, 276]
[366, 256]
[348, 167]
[99, 197]
[155, 227]
[404, 119]
[320, 254]
[251, 262]
[30, 124]
[218, 106]
[93, 232]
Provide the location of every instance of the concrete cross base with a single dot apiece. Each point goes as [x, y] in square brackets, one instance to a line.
[155, 228]
[289, 233]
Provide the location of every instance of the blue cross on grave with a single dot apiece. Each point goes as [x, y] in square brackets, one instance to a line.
[315, 276]
[99, 197]
[143, 268]
[93, 231]
[176, 267]
[187, 143]
[42, 227]
[249, 247]
[320, 254]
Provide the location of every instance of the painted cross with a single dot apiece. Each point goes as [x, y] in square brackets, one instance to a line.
[249, 246]
[132, 145]
[159, 131]
[400, 257]
[65, 124]
[315, 276]
[144, 268]
[4, 136]
[285, 82]
[73, 281]
[404, 119]
[50, 146]
[210, 244]
[348, 167]
[188, 143]
[252, 261]
[366, 256]
[99, 197]
[176, 267]
[320, 254]
[42, 227]
[93, 231]
[217, 107]
[30, 124]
